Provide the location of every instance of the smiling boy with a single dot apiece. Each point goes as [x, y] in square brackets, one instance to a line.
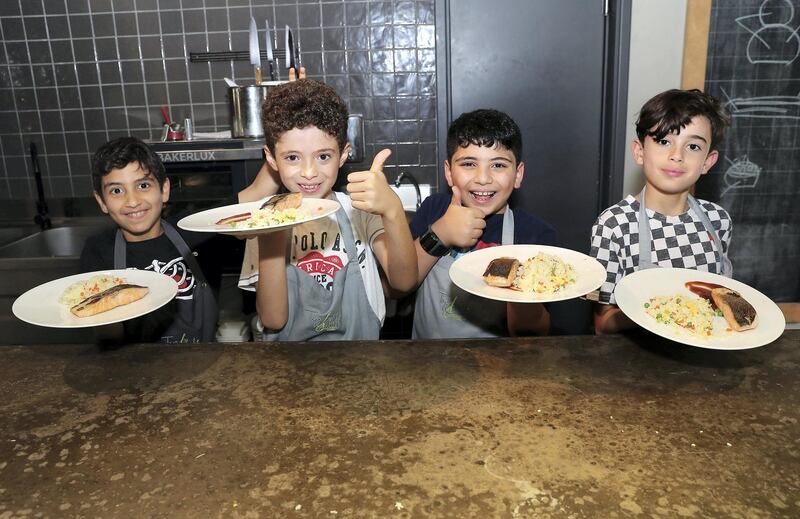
[320, 280]
[131, 187]
[677, 135]
[484, 167]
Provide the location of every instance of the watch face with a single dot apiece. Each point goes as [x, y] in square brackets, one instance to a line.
[430, 243]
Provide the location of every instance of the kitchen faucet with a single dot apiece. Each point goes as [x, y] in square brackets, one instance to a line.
[412, 181]
[42, 217]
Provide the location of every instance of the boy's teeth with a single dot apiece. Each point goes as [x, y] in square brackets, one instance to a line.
[483, 193]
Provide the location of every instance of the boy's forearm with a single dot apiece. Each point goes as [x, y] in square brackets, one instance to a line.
[272, 296]
[610, 319]
[527, 319]
[265, 184]
[425, 262]
[401, 256]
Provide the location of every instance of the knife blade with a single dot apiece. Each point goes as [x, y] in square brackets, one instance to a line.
[301, 70]
[270, 57]
[255, 52]
[290, 54]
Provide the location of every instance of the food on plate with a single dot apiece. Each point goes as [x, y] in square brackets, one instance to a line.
[279, 209]
[739, 314]
[113, 297]
[283, 201]
[80, 290]
[692, 314]
[501, 272]
[544, 274]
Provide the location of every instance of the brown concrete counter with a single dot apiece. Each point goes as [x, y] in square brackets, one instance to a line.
[578, 427]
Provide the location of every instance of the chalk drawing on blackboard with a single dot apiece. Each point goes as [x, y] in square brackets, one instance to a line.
[773, 39]
[765, 107]
[741, 174]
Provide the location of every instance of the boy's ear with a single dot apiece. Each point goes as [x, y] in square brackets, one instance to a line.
[165, 190]
[710, 161]
[345, 154]
[447, 174]
[270, 159]
[100, 202]
[638, 151]
[520, 175]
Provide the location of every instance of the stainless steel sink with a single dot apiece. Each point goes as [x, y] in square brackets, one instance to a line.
[58, 242]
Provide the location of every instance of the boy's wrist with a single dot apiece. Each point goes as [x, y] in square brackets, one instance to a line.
[432, 244]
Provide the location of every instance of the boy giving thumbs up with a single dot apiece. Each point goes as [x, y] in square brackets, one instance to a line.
[319, 280]
[484, 166]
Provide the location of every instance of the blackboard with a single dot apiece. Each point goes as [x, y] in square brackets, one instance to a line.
[754, 67]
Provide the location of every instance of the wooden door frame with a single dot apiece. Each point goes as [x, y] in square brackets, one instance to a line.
[616, 58]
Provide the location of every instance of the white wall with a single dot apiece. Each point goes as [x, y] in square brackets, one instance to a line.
[656, 60]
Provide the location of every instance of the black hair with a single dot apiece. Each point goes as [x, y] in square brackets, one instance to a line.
[672, 110]
[300, 104]
[486, 128]
[118, 153]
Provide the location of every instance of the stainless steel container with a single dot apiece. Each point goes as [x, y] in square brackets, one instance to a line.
[245, 110]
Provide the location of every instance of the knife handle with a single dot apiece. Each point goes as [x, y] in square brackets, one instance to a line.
[302, 74]
[258, 75]
[292, 75]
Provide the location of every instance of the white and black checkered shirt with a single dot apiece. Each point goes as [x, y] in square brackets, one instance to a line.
[678, 241]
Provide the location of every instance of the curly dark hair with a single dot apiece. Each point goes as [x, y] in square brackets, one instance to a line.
[672, 110]
[484, 127]
[300, 104]
[118, 153]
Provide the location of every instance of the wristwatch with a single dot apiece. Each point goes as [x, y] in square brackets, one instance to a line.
[431, 244]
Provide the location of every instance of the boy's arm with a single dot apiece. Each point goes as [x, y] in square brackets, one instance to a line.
[527, 319]
[610, 319]
[272, 296]
[394, 249]
[266, 183]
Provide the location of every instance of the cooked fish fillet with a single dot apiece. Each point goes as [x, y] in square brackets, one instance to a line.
[501, 272]
[283, 201]
[111, 298]
[739, 314]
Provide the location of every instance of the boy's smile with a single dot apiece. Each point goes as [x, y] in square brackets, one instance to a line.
[133, 199]
[485, 176]
[308, 161]
[674, 163]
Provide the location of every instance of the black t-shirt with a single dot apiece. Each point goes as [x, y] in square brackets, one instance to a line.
[160, 255]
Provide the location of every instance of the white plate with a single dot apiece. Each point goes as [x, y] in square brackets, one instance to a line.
[634, 290]
[40, 305]
[206, 221]
[467, 272]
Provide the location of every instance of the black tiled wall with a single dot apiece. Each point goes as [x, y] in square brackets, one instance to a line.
[75, 73]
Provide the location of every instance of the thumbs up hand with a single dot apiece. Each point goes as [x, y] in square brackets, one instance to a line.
[460, 226]
[370, 191]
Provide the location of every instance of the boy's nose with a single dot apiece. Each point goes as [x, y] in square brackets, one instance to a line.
[676, 156]
[308, 171]
[484, 175]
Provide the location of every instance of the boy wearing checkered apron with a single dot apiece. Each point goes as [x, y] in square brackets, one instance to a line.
[677, 132]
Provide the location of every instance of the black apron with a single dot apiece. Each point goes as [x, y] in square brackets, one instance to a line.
[195, 322]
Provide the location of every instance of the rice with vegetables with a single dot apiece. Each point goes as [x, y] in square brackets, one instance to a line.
[692, 314]
[270, 217]
[544, 274]
[80, 290]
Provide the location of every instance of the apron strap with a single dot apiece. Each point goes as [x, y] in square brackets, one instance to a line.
[645, 238]
[508, 227]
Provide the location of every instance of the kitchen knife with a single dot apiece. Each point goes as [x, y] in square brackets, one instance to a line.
[290, 54]
[270, 57]
[301, 70]
[255, 53]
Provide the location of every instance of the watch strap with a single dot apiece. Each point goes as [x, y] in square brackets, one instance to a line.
[431, 244]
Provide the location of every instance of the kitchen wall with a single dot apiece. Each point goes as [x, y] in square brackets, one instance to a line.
[76, 73]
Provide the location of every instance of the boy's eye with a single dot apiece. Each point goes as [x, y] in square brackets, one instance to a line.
[324, 156]
[115, 191]
[663, 142]
[291, 157]
[467, 164]
[144, 185]
[695, 147]
[499, 165]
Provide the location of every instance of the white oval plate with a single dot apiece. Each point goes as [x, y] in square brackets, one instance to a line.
[40, 305]
[467, 272]
[206, 221]
[634, 290]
